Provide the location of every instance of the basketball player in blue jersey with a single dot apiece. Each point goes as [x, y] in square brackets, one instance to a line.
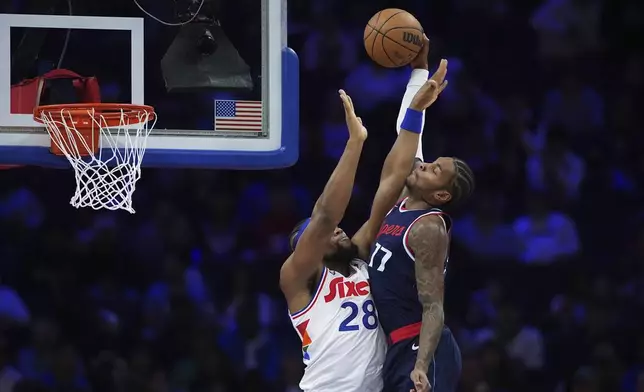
[407, 266]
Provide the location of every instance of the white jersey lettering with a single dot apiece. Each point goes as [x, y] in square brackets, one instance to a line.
[343, 346]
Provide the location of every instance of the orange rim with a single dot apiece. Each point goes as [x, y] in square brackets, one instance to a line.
[84, 114]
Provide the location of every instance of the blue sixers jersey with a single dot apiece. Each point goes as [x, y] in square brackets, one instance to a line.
[391, 269]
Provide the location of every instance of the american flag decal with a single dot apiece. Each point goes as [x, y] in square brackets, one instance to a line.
[238, 116]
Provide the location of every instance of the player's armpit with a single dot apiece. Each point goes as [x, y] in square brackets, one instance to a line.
[429, 242]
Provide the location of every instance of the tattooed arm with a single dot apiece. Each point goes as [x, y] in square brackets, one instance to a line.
[429, 241]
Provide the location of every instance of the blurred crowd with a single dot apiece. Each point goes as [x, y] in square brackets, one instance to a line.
[545, 290]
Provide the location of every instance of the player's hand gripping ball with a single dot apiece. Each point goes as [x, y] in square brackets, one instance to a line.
[422, 60]
[393, 38]
[357, 131]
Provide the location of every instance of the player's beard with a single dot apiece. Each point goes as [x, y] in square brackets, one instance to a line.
[342, 256]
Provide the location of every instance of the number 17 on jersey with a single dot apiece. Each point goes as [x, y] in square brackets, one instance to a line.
[380, 257]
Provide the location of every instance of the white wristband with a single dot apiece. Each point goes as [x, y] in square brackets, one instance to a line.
[418, 77]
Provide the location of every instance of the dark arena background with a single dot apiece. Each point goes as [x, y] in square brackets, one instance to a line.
[545, 290]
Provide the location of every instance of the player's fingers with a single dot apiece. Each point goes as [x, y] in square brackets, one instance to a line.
[429, 85]
[425, 49]
[432, 86]
[359, 120]
[442, 87]
[350, 102]
[345, 100]
[441, 72]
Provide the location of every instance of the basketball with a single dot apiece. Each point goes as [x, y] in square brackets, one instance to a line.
[393, 37]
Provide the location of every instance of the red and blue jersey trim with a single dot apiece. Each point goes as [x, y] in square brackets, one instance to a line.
[316, 294]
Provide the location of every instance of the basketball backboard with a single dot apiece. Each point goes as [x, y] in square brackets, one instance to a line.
[136, 58]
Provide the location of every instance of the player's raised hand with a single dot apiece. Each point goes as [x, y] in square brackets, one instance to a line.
[420, 380]
[430, 91]
[357, 131]
[421, 60]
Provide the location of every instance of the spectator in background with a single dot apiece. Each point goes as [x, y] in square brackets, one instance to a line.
[545, 236]
[246, 335]
[576, 107]
[523, 343]
[584, 380]
[484, 232]
[36, 359]
[481, 313]
[496, 366]
[179, 281]
[219, 229]
[329, 48]
[555, 168]
[566, 336]
[22, 208]
[291, 373]
[520, 342]
[633, 379]
[140, 366]
[9, 375]
[466, 102]
[13, 310]
[67, 372]
[566, 29]
[272, 230]
[372, 85]
[607, 365]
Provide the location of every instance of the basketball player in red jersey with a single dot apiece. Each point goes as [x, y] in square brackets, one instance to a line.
[330, 304]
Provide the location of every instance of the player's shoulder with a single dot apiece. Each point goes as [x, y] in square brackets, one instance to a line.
[433, 223]
[359, 263]
[434, 218]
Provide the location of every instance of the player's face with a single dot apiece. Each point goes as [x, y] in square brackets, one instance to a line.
[431, 180]
[341, 250]
[339, 240]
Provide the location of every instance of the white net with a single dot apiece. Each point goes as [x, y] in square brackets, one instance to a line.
[107, 178]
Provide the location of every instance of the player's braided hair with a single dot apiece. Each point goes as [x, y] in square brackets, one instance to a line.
[291, 236]
[463, 184]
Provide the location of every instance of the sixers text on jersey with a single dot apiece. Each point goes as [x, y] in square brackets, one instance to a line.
[342, 288]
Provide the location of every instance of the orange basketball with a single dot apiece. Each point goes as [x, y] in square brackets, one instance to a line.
[393, 37]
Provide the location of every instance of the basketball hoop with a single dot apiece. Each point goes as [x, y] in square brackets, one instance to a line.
[105, 144]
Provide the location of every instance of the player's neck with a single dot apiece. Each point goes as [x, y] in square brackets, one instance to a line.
[343, 269]
[416, 203]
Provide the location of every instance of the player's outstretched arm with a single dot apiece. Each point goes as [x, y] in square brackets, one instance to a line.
[328, 211]
[428, 239]
[400, 159]
[411, 117]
